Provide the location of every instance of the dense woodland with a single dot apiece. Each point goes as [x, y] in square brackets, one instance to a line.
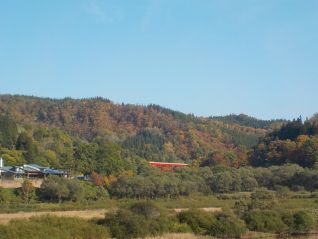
[149, 132]
[249, 121]
[57, 129]
[116, 156]
[89, 135]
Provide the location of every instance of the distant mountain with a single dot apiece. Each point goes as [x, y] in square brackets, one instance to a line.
[151, 132]
[249, 121]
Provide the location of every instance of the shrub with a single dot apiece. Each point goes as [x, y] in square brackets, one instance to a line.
[314, 195]
[303, 222]
[262, 199]
[227, 226]
[8, 196]
[27, 191]
[175, 226]
[140, 220]
[205, 223]
[265, 221]
[240, 207]
[282, 192]
[125, 224]
[298, 222]
[147, 209]
[51, 227]
[198, 220]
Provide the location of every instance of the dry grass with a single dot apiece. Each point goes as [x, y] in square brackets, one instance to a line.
[84, 214]
[18, 183]
[206, 209]
[180, 236]
[251, 235]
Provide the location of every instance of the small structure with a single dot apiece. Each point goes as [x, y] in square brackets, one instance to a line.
[167, 166]
[30, 171]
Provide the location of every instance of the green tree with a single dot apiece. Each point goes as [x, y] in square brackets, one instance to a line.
[221, 182]
[265, 221]
[125, 224]
[308, 153]
[199, 221]
[85, 157]
[76, 190]
[303, 222]
[298, 222]
[110, 160]
[262, 199]
[227, 226]
[12, 157]
[27, 191]
[55, 188]
[8, 132]
[26, 144]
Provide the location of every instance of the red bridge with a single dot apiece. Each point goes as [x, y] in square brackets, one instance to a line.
[167, 166]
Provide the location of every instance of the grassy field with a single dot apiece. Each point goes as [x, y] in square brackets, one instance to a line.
[84, 214]
[294, 201]
[182, 202]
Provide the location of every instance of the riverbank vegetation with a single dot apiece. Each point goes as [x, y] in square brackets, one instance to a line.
[148, 218]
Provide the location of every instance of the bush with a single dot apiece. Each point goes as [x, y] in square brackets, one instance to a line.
[240, 207]
[205, 223]
[8, 196]
[314, 195]
[175, 226]
[125, 224]
[303, 222]
[140, 220]
[56, 189]
[265, 221]
[262, 199]
[227, 226]
[198, 220]
[282, 192]
[147, 209]
[51, 227]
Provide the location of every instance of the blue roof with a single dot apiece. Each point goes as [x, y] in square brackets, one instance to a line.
[52, 171]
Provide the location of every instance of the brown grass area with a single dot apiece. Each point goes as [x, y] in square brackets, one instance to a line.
[85, 214]
[206, 209]
[250, 235]
[180, 236]
[18, 183]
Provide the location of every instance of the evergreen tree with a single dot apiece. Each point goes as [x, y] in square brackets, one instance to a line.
[8, 132]
[26, 144]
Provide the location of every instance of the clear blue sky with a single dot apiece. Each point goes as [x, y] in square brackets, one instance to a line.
[206, 57]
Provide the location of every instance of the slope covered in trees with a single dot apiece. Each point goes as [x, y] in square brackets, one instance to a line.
[150, 132]
[295, 142]
[97, 135]
[245, 120]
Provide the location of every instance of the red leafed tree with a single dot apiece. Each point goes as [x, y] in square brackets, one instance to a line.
[97, 179]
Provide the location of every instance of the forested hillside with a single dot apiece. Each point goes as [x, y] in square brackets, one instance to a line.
[295, 142]
[249, 121]
[148, 132]
[97, 135]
